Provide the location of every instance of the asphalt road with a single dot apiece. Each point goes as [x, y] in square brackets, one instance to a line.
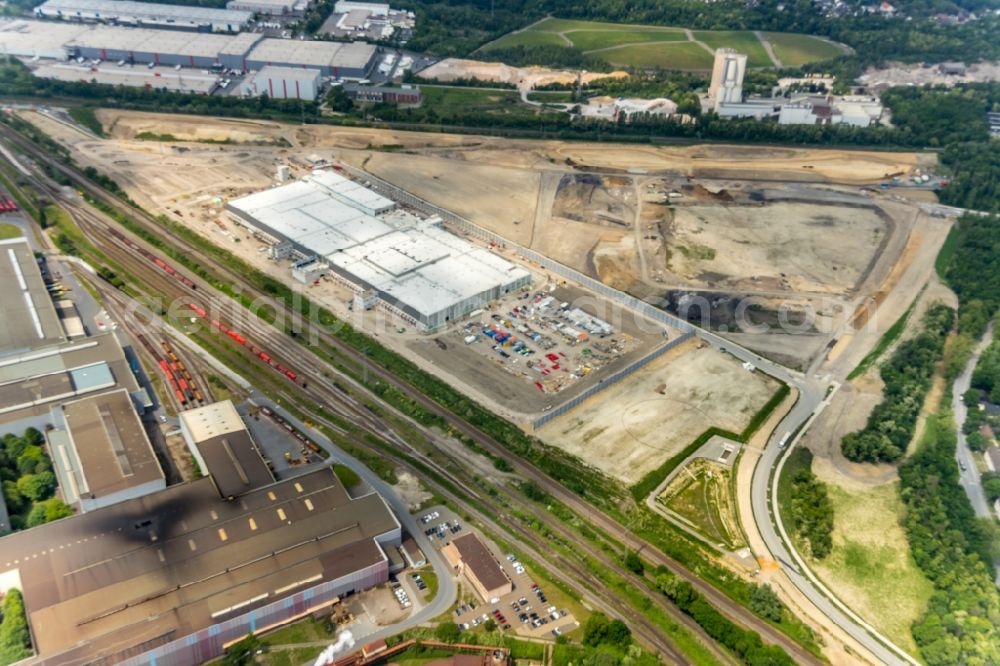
[969, 476]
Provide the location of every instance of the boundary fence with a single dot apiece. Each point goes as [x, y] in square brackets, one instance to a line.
[608, 382]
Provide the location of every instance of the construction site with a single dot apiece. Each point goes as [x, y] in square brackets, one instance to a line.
[805, 234]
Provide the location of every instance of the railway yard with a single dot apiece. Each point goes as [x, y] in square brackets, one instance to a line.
[825, 262]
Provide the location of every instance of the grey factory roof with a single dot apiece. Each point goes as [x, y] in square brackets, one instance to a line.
[32, 383]
[28, 319]
[176, 561]
[129, 9]
[313, 53]
[225, 445]
[289, 73]
[280, 4]
[103, 449]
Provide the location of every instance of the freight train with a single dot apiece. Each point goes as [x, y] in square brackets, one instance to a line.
[259, 353]
[152, 258]
[179, 378]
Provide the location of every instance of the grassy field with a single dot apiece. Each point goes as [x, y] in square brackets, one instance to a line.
[794, 50]
[741, 40]
[446, 102]
[551, 97]
[675, 55]
[590, 40]
[706, 502]
[665, 47]
[533, 38]
[871, 568]
[291, 657]
[9, 231]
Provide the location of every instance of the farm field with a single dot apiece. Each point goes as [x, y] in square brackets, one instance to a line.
[664, 46]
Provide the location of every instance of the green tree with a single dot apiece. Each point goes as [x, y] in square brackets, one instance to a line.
[764, 601]
[37, 486]
[47, 511]
[447, 632]
[30, 459]
[634, 563]
[12, 497]
[619, 634]
[976, 441]
[241, 653]
[490, 625]
[15, 640]
[991, 486]
[595, 629]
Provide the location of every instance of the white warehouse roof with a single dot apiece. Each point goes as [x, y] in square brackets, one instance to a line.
[176, 42]
[415, 265]
[129, 9]
[313, 53]
[34, 38]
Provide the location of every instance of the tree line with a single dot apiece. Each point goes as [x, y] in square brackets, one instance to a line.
[961, 624]
[907, 377]
[811, 512]
[744, 644]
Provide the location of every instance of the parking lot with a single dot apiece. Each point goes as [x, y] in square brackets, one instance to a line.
[526, 611]
[539, 347]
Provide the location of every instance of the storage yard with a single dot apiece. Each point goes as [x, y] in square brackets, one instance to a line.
[527, 353]
[634, 426]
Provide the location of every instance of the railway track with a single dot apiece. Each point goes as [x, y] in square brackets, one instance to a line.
[291, 349]
[644, 630]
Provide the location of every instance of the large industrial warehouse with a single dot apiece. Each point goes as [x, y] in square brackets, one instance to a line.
[146, 14]
[412, 267]
[344, 60]
[174, 576]
[246, 51]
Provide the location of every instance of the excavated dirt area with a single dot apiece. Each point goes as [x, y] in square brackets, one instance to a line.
[633, 427]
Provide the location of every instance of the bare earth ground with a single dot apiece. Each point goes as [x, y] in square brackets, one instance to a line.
[632, 428]
[525, 78]
[512, 187]
[815, 248]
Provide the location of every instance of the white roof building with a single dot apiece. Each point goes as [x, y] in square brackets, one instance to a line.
[151, 14]
[419, 270]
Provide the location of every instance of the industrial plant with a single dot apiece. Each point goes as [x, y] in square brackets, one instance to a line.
[389, 257]
[127, 46]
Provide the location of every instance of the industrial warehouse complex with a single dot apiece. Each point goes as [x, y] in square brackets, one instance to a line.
[146, 573]
[146, 14]
[79, 391]
[411, 266]
[172, 577]
[244, 52]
